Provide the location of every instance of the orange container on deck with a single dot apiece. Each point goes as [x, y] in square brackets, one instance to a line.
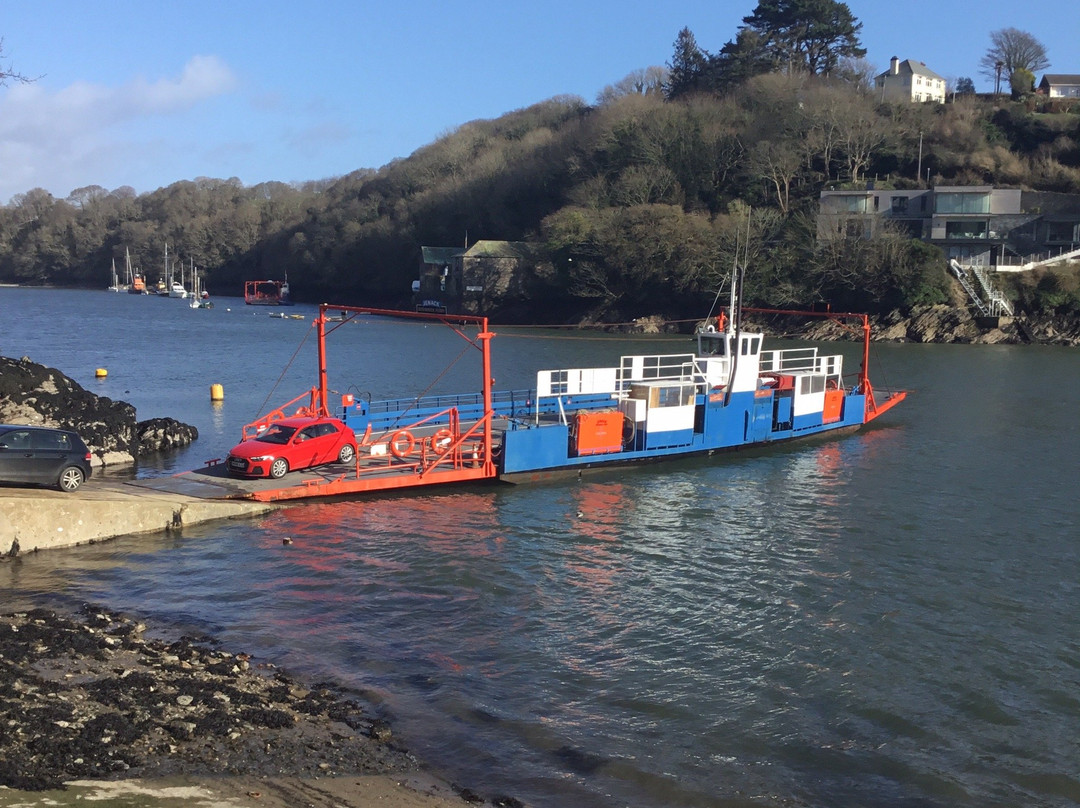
[598, 432]
[834, 406]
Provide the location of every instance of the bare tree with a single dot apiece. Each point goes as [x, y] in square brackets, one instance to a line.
[860, 133]
[1011, 50]
[646, 81]
[857, 72]
[7, 73]
[777, 162]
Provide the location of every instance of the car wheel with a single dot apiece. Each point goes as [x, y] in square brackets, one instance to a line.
[279, 468]
[346, 454]
[70, 479]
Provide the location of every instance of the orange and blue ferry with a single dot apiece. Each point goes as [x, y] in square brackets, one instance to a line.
[729, 393]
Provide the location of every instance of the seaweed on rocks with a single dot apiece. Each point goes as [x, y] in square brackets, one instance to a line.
[91, 696]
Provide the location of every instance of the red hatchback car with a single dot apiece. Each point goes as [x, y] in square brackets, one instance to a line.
[291, 444]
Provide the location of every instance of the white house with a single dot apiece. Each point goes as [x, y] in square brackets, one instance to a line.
[909, 81]
[1060, 85]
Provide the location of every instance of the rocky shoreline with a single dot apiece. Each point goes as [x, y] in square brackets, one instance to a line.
[91, 696]
[35, 394]
[926, 324]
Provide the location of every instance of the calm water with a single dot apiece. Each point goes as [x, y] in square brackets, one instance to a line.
[883, 620]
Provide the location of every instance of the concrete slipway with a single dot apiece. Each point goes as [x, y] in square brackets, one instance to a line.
[41, 518]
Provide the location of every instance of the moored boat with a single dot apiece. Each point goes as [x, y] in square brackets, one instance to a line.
[729, 393]
[267, 293]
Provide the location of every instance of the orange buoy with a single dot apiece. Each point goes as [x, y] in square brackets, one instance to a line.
[101, 373]
[217, 392]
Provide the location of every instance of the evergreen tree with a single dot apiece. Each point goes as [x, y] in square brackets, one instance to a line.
[808, 35]
[738, 61]
[687, 66]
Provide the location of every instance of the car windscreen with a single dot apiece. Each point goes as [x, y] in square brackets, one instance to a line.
[276, 434]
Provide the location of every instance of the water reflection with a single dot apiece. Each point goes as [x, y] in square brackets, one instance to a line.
[881, 620]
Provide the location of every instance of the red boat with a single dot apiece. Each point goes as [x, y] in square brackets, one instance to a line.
[267, 293]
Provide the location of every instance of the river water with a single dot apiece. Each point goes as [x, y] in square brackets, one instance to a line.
[887, 619]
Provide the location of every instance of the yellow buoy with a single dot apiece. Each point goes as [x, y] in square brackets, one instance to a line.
[101, 373]
[217, 392]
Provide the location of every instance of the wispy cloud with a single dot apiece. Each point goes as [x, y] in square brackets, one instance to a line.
[73, 136]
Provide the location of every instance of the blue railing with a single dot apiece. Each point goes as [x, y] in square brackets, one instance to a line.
[513, 405]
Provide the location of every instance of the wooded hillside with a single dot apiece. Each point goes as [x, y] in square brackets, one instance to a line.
[640, 203]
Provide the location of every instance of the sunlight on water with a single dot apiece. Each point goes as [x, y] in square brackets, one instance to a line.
[880, 620]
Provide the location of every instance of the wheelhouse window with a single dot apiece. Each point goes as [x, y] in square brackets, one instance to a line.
[711, 343]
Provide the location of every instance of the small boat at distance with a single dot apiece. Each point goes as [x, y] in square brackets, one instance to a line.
[267, 293]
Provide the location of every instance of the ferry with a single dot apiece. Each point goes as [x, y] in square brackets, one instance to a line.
[267, 293]
[727, 394]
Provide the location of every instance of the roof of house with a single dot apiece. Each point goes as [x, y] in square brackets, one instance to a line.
[1060, 78]
[500, 249]
[915, 68]
[439, 255]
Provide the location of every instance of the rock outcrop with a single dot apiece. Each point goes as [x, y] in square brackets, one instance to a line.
[34, 394]
[91, 696]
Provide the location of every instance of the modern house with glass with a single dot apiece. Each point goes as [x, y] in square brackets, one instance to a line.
[975, 224]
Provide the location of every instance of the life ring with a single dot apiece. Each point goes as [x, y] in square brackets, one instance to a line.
[442, 436]
[402, 436]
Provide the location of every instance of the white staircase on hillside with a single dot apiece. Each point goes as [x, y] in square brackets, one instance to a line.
[1048, 258]
[996, 304]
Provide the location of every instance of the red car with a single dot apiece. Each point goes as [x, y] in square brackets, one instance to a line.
[291, 444]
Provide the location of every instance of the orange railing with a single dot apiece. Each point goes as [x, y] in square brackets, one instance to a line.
[312, 408]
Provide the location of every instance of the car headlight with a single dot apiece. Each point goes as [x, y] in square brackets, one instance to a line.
[261, 458]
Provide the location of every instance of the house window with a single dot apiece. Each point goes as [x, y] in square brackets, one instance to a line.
[962, 203]
[857, 228]
[899, 204]
[1062, 232]
[852, 204]
[966, 229]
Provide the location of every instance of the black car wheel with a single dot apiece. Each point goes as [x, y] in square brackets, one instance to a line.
[346, 454]
[70, 479]
[279, 468]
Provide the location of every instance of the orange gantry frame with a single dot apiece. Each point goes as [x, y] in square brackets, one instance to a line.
[450, 454]
[873, 407]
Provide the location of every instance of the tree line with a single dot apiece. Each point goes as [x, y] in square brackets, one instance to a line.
[640, 203]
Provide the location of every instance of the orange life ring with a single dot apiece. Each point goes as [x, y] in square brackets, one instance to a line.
[402, 436]
[443, 436]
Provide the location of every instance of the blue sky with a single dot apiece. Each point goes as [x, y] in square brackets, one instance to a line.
[146, 92]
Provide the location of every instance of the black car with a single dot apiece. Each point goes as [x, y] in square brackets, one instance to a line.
[39, 454]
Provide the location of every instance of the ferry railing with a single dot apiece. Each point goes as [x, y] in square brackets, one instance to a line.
[448, 446]
[789, 360]
[386, 414]
[281, 413]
